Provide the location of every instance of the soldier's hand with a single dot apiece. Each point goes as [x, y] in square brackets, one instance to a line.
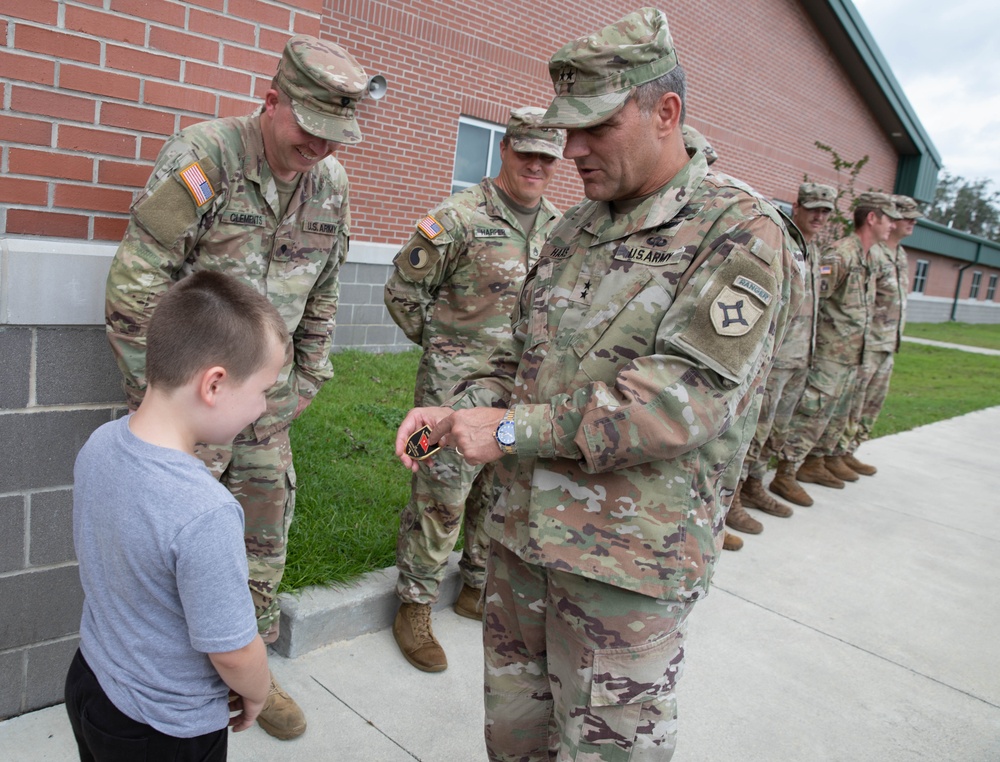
[472, 433]
[416, 419]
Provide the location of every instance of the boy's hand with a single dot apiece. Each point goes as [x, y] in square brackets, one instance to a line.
[247, 712]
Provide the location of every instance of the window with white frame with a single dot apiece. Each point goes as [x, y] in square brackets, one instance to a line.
[920, 276]
[477, 154]
[977, 277]
[991, 289]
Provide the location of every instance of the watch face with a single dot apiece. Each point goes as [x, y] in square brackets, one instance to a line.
[505, 433]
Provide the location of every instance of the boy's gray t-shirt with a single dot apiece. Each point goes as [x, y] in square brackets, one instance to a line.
[164, 573]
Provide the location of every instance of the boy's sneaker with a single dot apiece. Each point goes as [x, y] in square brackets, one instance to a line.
[281, 717]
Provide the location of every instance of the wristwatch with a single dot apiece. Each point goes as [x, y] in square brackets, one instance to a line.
[505, 434]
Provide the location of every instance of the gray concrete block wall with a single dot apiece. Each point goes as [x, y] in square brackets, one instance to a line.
[57, 384]
[936, 309]
[362, 319]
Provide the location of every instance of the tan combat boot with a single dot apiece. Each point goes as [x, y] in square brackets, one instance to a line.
[731, 541]
[739, 519]
[784, 485]
[858, 467]
[467, 604]
[281, 716]
[835, 465]
[753, 495]
[415, 638]
[814, 472]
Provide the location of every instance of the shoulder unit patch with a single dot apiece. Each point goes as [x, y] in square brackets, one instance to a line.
[733, 314]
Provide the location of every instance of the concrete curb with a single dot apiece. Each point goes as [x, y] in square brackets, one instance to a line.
[318, 616]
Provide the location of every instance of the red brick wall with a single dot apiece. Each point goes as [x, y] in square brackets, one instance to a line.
[942, 275]
[93, 93]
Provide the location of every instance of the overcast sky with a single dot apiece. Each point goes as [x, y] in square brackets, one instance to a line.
[946, 57]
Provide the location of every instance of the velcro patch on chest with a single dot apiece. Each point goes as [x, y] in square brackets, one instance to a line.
[196, 181]
[733, 314]
[430, 227]
[483, 232]
[323, 227]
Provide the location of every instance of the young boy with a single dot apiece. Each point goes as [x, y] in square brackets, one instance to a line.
[168, 625]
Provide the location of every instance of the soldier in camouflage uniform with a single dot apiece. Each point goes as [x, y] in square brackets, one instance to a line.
[891, 286]
[260, 198]
[695, 142]
[846, 302]
[624, 405]
[453, 289]
[787, 378]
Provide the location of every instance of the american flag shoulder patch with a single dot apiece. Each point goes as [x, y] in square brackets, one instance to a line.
[197, 183]
[430, 227]
[825, 269]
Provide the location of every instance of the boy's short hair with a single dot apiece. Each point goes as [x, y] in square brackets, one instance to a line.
[210, 319]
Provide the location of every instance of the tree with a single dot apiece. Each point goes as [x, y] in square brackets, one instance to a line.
[841, 220]
[967, 205]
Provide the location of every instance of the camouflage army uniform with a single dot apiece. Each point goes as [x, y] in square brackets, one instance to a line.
[891, 275]
[846, 299]
[787, 379]
[295, 261]
[638, 344]
[452, 292]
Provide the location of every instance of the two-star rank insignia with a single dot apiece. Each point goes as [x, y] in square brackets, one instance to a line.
[734, 314]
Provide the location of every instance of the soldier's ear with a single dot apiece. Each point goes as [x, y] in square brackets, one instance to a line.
[669, 112]
[270, 101]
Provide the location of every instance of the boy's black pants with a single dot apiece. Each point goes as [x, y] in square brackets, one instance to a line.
[105, 734]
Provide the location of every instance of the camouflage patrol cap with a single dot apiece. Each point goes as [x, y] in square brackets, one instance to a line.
[880, 201]
[527, 135]
[908, 208]
[694, 142]
[325, 84]
[816, 196]
[594, 76]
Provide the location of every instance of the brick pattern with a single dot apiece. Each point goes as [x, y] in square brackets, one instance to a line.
[942, 277]
[91, 83]
[87, 86]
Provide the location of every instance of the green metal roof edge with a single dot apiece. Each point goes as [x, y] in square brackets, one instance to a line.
[868, 49]
[935, 238]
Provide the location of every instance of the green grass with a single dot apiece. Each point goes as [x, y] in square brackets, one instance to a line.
[972, 334]
[931, 384]
[352, 487]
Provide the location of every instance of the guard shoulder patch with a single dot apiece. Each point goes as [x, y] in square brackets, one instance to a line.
[727, 328]
[430, 227]
[416, 259]
[733, 314]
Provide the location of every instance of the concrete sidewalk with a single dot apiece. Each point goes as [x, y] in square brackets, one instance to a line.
[862, 628]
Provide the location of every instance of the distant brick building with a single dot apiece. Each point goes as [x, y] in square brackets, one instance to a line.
[91, 89]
